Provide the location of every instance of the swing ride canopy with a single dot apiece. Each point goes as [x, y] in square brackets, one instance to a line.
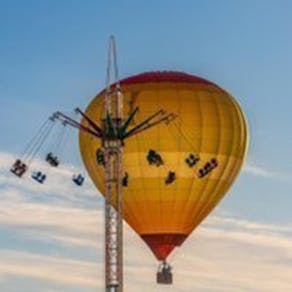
[209, 125]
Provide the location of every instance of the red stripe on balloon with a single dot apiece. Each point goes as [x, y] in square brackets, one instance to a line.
[163, 244]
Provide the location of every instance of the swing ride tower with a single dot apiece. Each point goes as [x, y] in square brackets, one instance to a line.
[113, 132]
[113, 150]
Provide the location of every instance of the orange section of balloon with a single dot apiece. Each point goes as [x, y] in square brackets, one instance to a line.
[201, 152]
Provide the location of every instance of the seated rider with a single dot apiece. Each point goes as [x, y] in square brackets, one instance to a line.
[100, 157]
[151, 156]
[192, 160]
[154, 158]
[214, 162]
[78, 179]
[52, 160]
[170, 177]
[125, 180]
[49, 156]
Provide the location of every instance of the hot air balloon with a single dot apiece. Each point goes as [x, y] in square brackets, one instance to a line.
[177, 172]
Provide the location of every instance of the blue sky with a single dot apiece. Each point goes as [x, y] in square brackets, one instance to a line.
[53, 56]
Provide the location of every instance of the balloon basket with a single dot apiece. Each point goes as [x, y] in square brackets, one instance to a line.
[164, 274]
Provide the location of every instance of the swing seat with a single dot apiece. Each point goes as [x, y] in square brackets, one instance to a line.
[39, 177]
[78, 179]
[125, 180]
[52, 159]
[18, 168]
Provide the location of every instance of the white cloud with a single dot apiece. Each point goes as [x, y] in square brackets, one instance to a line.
[58, 237]
[228, 221]
[259, 171]
[251, 168]
[51, 268]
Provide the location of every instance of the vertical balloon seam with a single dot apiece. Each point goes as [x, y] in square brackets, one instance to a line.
[244, 122]
[217, 186]
[180, 157]
[235, 170]
[209, 201]
[243, 148]
[172, 133]
[174, 201]
[130, 193]
[141, 178]
[202, 213]
[128, 210]
[156, 129]
[138, 191]
[159, 201]
[137, 196]
[196, 95]
[183, 211]
[141, 146]
[196, 207]
[129, 190]
[245, 126]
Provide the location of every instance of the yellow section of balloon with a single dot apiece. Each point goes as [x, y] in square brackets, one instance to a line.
[209, 125]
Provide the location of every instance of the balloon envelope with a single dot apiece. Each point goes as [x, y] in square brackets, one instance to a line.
[209, 127]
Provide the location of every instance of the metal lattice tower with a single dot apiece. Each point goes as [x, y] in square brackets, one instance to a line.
[113, 146]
